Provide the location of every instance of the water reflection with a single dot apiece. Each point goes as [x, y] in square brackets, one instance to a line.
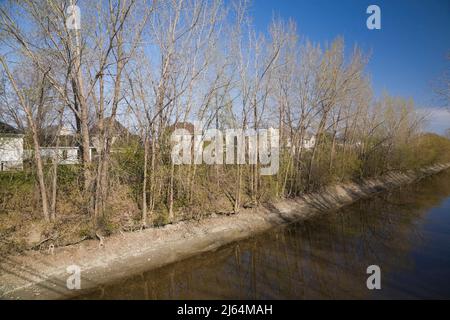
[405, 232]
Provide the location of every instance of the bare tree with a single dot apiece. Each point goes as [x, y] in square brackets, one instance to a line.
[30, 99]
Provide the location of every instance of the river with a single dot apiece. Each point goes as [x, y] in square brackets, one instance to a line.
[406, 232]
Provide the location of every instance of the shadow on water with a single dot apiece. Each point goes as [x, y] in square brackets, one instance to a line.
[406, 232]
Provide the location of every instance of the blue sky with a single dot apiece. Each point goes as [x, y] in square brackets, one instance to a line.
[408, 53]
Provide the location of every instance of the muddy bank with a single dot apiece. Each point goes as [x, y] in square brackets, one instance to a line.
[36, 275]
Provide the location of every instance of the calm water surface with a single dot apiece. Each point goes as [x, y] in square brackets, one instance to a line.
[406, 232]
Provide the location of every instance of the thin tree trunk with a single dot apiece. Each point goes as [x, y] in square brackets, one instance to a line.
[144, 183]
[39, 169]
[55, 170]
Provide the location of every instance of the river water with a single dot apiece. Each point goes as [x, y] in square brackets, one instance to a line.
[406, 232]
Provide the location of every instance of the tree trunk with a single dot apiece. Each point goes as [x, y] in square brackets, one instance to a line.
[144, 183]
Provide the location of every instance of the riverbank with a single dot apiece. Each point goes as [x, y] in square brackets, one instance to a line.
[35, 275]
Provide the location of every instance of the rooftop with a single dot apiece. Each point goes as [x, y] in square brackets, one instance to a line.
[7, 129]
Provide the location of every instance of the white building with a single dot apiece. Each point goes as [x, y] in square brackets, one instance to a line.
[64, 155]
[308, 142]
[13, 155]
[11, 148]
[67, 153]
[117, 132]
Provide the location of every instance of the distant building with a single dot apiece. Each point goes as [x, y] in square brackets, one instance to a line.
[61, 144]
[11, 148]
[119, 135]
[182, 125]
[64, 155]
[67, 151]
[349, 142]
[308, 141]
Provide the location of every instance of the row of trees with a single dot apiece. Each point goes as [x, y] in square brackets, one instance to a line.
[158, 65]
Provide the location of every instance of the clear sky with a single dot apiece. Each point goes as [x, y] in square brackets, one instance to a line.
[408, 53]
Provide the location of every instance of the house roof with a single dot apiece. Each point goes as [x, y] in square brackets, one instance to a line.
[182, 125]
[6, 128]
[55, 130]
[64, 141]
[48, 135]
[115, 126]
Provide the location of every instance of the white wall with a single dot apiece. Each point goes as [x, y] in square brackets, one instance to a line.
[96, 141]
[11, 152]
[309, 143]
[66, 155]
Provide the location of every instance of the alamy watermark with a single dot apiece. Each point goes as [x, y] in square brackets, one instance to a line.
[374, 280]
[374, 20]
[73, 282]
[231, 146]
[73, 20]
